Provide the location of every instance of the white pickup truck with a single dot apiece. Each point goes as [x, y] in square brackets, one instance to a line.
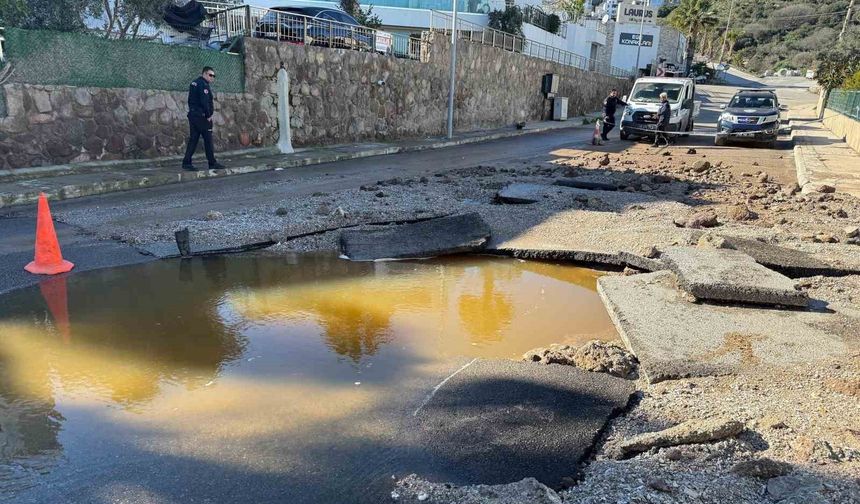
[640, 115]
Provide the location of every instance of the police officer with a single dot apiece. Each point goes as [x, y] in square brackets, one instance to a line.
[609, 105]
[201, 106]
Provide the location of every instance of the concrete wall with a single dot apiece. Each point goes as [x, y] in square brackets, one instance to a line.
[844, 127]
[335, 98]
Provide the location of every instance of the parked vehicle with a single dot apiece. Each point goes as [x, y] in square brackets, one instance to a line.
[752, 114]
[321, 26]
[640, 115]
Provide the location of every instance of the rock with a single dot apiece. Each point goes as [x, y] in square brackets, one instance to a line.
[605, 160]
[319, 193]
[661, 179]
[812, 187]
[771, 422]
[528, 490]
[763, 178]
[666, 153]
[763, 468]
[660, 484]
[792, 189]
[755, 163]
[712, 241]
[554, 354]
[380, 194]
[785, 487]
[213, 215]
[825, 238]
[701, 166]
[689, 432]
[281, 211]
[424, 180]
[841, 213]
[851, 231]
[521, 194]
[323, 209]
[691, 151]
[601, 357]
[699, 220]
[645, 188]
[740, 213]
[652, 252]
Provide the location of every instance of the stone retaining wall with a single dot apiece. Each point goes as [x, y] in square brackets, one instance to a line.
[336, 97]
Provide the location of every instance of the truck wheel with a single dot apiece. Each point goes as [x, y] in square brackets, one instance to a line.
[624, 135]
[719, 141]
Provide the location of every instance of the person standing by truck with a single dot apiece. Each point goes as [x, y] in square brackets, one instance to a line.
[610, 104]
[664, 115]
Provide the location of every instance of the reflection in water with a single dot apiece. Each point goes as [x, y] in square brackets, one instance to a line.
[485, 315]
[205, 353]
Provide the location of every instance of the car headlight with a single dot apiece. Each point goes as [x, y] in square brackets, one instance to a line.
[725, 116]
[771, 118]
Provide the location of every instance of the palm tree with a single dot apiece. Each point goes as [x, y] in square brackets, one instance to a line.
[693, 18]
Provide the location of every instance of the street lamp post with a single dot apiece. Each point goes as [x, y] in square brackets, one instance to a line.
[452, 87]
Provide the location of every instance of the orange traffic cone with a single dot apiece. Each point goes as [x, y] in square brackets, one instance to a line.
[55, 294]
[48, 259]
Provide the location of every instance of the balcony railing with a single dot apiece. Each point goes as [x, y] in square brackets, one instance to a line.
[441, 22]
[230, 20]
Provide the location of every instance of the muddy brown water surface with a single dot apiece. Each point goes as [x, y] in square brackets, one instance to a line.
[241, 379]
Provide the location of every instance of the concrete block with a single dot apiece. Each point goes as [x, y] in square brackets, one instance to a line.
[445, 235]
[730, 275]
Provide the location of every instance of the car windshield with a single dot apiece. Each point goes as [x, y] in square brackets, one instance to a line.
[650, 91]
[751, 102]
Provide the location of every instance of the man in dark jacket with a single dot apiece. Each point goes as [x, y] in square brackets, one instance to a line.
[201, 106]
[610, 104]
[663, 117]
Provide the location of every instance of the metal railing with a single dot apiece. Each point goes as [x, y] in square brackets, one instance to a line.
[229, 20]
[845, 102]
[535, 16]
[441, 22]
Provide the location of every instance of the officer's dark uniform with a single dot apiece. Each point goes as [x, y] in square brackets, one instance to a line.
[201, 106]
[610, 104]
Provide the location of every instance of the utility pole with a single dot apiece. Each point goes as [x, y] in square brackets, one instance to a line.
[641, 26]
[726, 35]
[452, 88]
[847, 18]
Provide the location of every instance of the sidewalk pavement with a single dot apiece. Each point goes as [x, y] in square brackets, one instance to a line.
[820, 156]
[20, 186]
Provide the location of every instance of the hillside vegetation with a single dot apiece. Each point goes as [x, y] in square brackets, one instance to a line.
[772, 34]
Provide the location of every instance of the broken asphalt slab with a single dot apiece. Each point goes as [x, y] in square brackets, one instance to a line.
[675, 338]
[791, 262]
[521, 194]
[499, 421]
[430, 238]
[730, 275]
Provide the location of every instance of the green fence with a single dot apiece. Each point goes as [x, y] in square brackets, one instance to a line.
[82, 59]
[846, 102]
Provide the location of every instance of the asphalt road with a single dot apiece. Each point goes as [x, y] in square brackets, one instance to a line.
[190, 200]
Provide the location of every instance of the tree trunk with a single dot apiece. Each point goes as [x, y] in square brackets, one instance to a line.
[690, 53]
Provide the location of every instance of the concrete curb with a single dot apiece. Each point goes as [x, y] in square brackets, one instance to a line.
[144, 180]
